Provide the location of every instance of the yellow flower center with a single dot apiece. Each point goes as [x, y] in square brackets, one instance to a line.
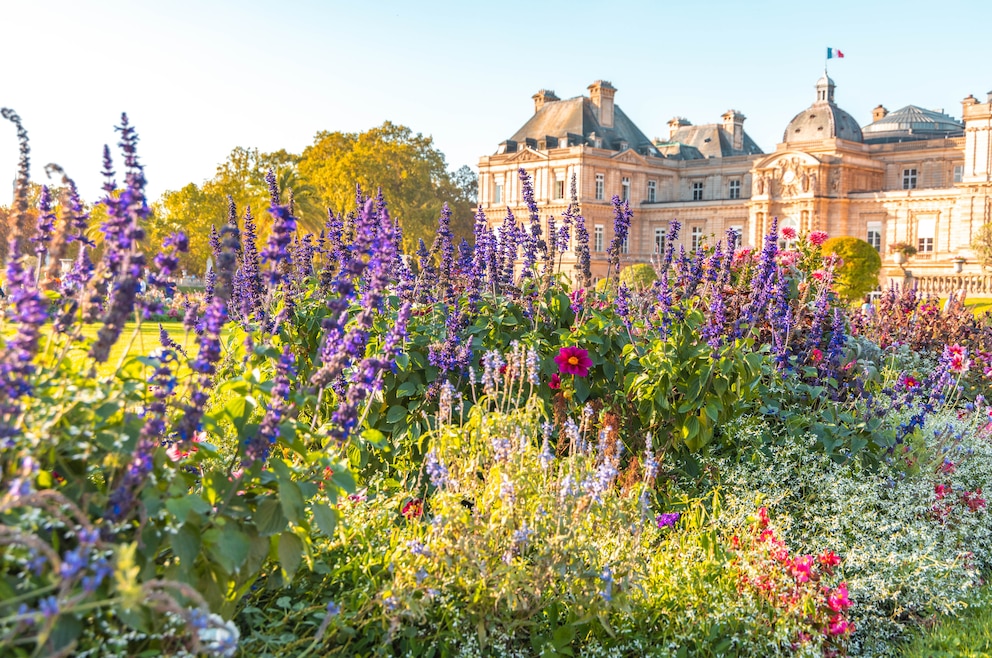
[573, 360]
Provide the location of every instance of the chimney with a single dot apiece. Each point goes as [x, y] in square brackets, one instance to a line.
[601, 94]
[988, 97]
[879, 113]
[674, 125]
[733, 123]
[542, 97]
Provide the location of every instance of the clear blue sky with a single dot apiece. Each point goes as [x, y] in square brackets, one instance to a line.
[200, 77]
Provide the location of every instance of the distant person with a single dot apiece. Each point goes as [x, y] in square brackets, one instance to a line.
[867, 309]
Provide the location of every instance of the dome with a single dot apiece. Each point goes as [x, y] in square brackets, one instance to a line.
[911, 123]
[823, 119]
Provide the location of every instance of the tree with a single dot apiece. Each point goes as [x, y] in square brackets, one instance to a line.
[982, 244]
[639, 276]
[407, 167]
[857, 274]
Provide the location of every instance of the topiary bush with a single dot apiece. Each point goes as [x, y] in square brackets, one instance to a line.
[857, 274]
[639, 276]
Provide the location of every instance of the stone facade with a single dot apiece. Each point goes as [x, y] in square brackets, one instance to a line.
[914, 176]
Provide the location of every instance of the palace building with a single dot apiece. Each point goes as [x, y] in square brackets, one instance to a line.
[912, 176]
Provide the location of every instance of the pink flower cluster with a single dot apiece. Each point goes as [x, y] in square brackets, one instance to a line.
[793, 584]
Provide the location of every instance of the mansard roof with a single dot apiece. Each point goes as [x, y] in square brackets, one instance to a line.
[706, 141]
[573, 122]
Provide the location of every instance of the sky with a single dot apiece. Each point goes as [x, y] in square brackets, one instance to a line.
[201, 77]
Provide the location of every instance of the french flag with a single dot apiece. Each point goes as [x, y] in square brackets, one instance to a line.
[833, 52]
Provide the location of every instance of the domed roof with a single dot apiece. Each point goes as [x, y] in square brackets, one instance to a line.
[823, 119]
[912, 122]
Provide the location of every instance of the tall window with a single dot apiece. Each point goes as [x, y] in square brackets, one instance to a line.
[926, 230]
[697, 191]
[597, 241]
[600, 187]
[909, 179]
[659, 241]
[874, 237]
[735, 189]
[625, 245]
[559, 186]
[652, 191]
[697, 237]
[958, 173]
[625, 189]
[498, 193]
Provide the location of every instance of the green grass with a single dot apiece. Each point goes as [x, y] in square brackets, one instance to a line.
[135, 343]
[967, 634]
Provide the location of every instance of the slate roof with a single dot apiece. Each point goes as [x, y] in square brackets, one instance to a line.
[575, 120]
[822, 120]
[706, 141]
[911, 123]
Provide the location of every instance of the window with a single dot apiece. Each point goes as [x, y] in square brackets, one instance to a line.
[597, 244]
[559, 186]
[697, 191]
[498, 193]
[652, 191]
[659, 241]
[697, 237]
[600, 186]
[735, 189]
[874, 237]
[909, 179]
[625, 189]
[625, 245]
[958, 173]
[926, 230]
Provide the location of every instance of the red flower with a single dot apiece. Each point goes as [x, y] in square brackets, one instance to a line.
[763, 517]
[413, 509]
[555, 382]
[973, 499]
[829, 560]
[839, 625]
[816, 355]
[818, 237]
[910, 382]
[573, 361]
[940, 491]
[802, 568]
[837, 600]
[789, 233]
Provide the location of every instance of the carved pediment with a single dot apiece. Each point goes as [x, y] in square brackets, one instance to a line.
[526, 155]
[786, 174]
[630, 157]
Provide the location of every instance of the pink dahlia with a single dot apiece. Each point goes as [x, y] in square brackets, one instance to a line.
[573, 361]
[818, 237]
[789, 233]
[555, 382]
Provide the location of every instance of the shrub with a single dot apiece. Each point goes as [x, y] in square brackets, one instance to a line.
[639, 276]
[857, 275]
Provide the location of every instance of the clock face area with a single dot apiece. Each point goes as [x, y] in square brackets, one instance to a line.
[788, 176]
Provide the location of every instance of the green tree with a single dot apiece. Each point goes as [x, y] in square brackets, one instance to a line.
[857, 274]
[639, 276]
[982, 244]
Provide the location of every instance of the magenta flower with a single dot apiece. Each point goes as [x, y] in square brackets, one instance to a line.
[573, 361]
[555, 382]
[818, 237]
[788, 233]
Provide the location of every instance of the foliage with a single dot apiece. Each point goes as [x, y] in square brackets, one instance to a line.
[857, 274]
[639, 276]
[982, 244]
[407, 167]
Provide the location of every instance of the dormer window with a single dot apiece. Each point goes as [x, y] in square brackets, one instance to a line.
[624, 145]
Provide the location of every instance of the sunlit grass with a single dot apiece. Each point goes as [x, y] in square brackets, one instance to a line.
[967, 634]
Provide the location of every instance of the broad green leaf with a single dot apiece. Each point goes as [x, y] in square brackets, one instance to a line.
[290, 554]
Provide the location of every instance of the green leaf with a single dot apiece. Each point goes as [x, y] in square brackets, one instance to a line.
[290, 554]
[186, 545]
[181, 507]
[291, 499]
[406, 389]
[402, 361]
[395, 414]
[326, 518]
[269, 518]
[228, 548]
